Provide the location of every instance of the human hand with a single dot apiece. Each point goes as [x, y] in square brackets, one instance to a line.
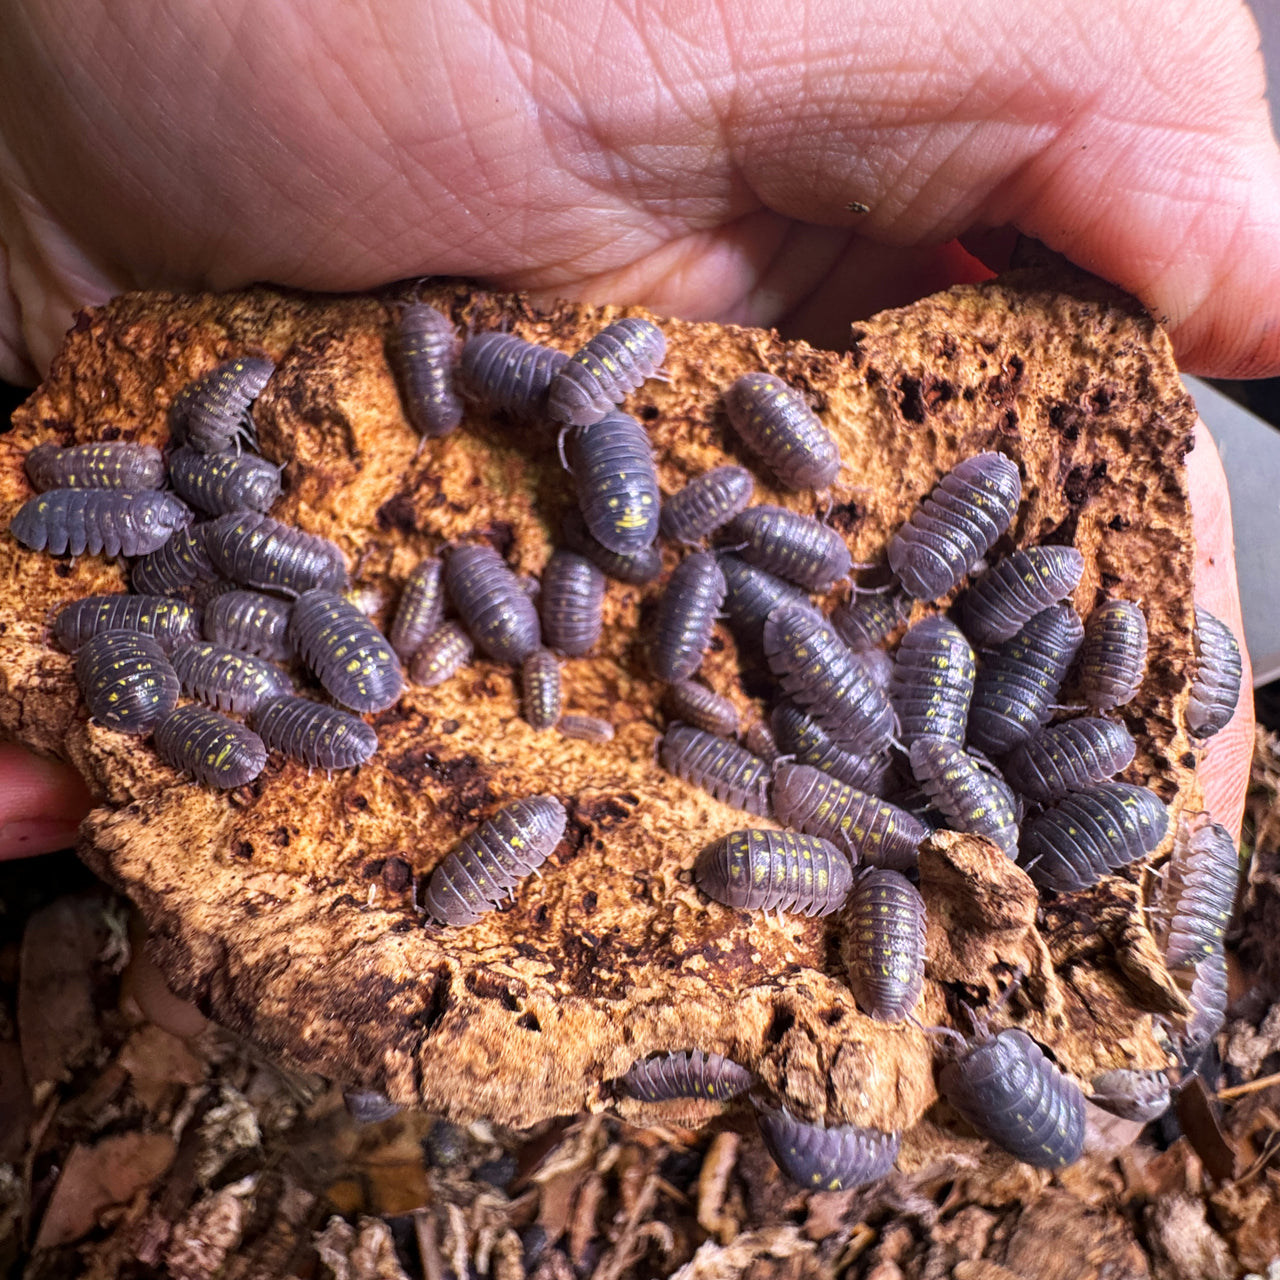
[699, 159]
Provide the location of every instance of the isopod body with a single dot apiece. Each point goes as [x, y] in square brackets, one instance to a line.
[705, 503]
[867, 618]
[1205, 874]
[493, 859]
[706, 1076]
[1215, 688]
[441, 655]
[1113, 658]
[314, 733]
[1023, 584]
[774, 871]
[1132, 1095]
[221, 483]
[612, 364]
[932, 681]
[686, 617]
[1208, 995]
[882, 943]
[540, 696]
[227, 678]
[826, 1159]
[584, 728]
[791, 546]
[751, 595]
[109, 520]
[347, 653]
[170, 622]
[209, 747]
[635, 568]
[501, 618]
[776, 424]
[571, 603]
[257, 551]
[1067, 757]
[617, 482]
[724, 769]
[421, 608]
[127, 680]
[179, 563]
[250, 621]
[703, 708]
[104, 464]
[1012, 1094]
[972, 799]
[955, 526]
[424, 349]
[509, 374]
[212, 413]
[1090, 834]
[802, 736]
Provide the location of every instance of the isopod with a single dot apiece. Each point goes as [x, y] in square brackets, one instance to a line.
[707, 1076]
[756, 870]
[226, 678]
[104, 464]
[94, 520]
[257, 551]
[1206, 875]
[571, 603]
[212, 413]
[1215, 688]
[209, 747]
[421, 608]
[170, 622]
[177, 564]
[867, 828]
[803, 737]
[819, 672]
[955, 526]
[441, 655]
[868, 618]
[686, 617]
[250, 621]
[791, 546]
[510, 374]
[1209, 998]
[220, 483]
[501, 618]
[1132, 1095]
[1023, 584]
[1113, 658]
[1018, 685]
[729, 772]
[584, 728]
[1010, 1093]
[1090, 834]
[612, 364]
[617, 482]
[368, 1106]
[932, 681]
[318, 735]
[540, 696]
[972, 799]
[879, 667]
[776, 424]
[752, 595]
[703, 708]
[348, 654]
[635, 568]
[705, 503]
[493, 859]
[424, 349]
[818, 1158]
[759, 740]
[127, 680]
[1071, 756]
[882, 943]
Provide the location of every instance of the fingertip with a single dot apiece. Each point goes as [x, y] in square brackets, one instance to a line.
[42, 803]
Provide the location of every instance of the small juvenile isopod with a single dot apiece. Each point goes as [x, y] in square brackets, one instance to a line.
[803, 737]
[424, 349]
[705, 503]
[501, 618]
[1090, 834]
[219, 483]
[170, 622]
[318, 735]
[1113, 658]
[729, 772]
[1205, 875]
[508, 373]
[127, 680]
[1209, 998]
[972, 799]
[932, 681]
[752, 595]
[634, 568]
[791, 546]
[1010, 1093]
[211, 748]
[1018, 685]
[617, 482]
[703, 708]
[94, 520]
[227, 678]
[368, 1106]
[493, 859]
[707, 1076]
[571, 603]
[1132, 1095]
[540, 697]
[776, 424]
[348, 654]
[1023, 584]
[584, 728]
[1071, 756]
[441, 655]
[882, 943]
[257, 551]
[817, 669]
[686, 617]
[774, 870]
[867, 618]
[867, 828]
[212, 413]
[250, 621]
[759, 740]
[612, 364]
[838, 1158]
[1215, 688]
[179, 563]
[421, 608]
[104, 464]
[955, 526]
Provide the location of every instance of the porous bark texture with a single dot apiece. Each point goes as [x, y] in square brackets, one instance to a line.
[286, 909]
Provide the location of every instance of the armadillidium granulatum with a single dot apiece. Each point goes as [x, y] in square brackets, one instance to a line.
[706, 1076]
[634, 568]
[499, 615]
[571, 603]
[257, 551]
[701, 707]
[778, 426]
[424, 349]
[212, 413]
[932, 681]
[227, 678]
[686, 617]
[729, 772]
[1023, 584]
[127, 680]
[868, 618]
[421, 607]
[1205, 876]
[1215, 688]
[752, 595]
[705, 503]
[94, 520]
[179, 563]
[103, 464]
[540, 696]
[1113, 657]
[317, 735]
[584, 728]
[802, 736]
[1066, 757]
[347, 653]
[882, 943]
[508, 374]
[169, 622]
[441, 655]
[756, 870]
[209, 747]
[612, 364]
[791, 546]
[973, 800]
[220, 483]
[617, 482]
[818, 1158]
[250, 621]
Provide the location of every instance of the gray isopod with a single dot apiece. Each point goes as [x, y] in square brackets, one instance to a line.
[708, 1077]
[800, 735]
[127, 680]
[424, 350]
[634, 568]
[705, 503]
[752, 595]
[729, 772]
[776, 424]
[1205, 875]
[932, 681]
[882, 943]
[617, 482]
[972, 799]
[493, 859]
[612, 364]
[868, 618]
[955, 526]
[250, 621]
[774, 871]
[1023, 584]
[1113, 658]
[1208, 995]
[212, 413]
[1215, 688]
[93, 520]
[818, 1158]
[695, 704]
[509, 374]
[421, 608]
[169, 622]
[318, 735]
[1071, 756]
[348, 654]
[257, 551]
[1132, 1095]
[219, 483]
[177, 564]
[209, 747]
[791, 546]
[103, 464]
[540, 696]
[501, 618]
[442, 655]
[571, 603]
[227, 678]
[584, 728]
[686, 617]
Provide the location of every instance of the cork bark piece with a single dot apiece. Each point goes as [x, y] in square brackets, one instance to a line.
[286, 909]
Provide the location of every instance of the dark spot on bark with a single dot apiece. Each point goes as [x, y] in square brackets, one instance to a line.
[243, 849]
[1065, 419]
[281, 837]
[589, 900]
[1118, 524]
[83, 323]
[449, 726]
[487, 986]
[833, 1016]
[1009, 423]
[437, 1000]
[781, 1022]
[649, 413]
[1110, 581]
[1187, 759]
[528, 1022]
[109, 433]
[1080, 485]
[62, 569]
[541, 914]
[343, 900]
[402, 926]
[372, 868]
[397, 513]
[397, 874]
[844, 518]
[358, 802]
[1103, 396]
[502, 535]
[910, 400]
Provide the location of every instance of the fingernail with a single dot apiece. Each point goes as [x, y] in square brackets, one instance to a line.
[37, 835]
